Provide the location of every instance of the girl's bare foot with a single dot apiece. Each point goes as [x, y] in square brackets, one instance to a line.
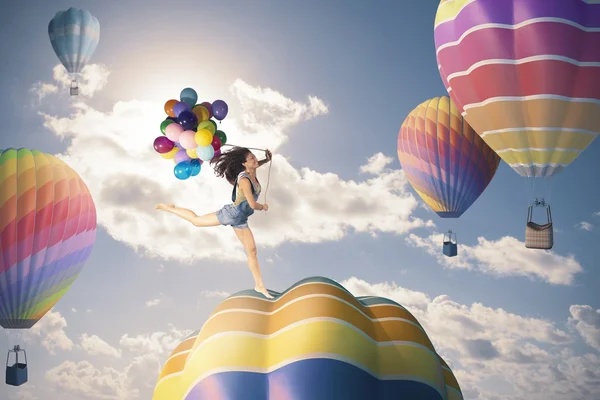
[262, 290]
[165, 207]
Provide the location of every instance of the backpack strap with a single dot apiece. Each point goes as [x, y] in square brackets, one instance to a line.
[234, 192]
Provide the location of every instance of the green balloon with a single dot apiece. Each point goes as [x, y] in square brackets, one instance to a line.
[207, 125]
[214, 123]
[221, 135]
[164, 124]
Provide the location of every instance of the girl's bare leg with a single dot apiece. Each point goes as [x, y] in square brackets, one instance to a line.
[197, 220]
[247, 238]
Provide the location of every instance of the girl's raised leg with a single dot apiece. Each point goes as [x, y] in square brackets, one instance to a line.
[197, 220]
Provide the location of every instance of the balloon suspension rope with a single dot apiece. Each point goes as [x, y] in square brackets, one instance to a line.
[270, 164]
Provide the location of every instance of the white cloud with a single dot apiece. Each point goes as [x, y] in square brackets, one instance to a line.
[134, 381]
[213, 293]
[583, 225]
[153, 302]
[133, 179]
[159, 343]
[587, 322]
[42, 90]
[597, 214]
[93, 345]
[51, 330]
[74, 310]
[376, 164]
[506, 256]
[83, 379]
[496, 354]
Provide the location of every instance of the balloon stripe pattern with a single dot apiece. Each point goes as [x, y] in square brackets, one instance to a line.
[526, 75]
[314, 341]
[47, 230]
[443, 158]
[74, 35]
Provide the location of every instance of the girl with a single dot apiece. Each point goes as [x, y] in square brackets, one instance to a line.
[239, 168]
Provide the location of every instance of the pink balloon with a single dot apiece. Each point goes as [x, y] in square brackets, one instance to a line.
[187, 140]
[173, 131]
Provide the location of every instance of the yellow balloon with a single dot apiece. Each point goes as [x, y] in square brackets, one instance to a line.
[203, 137]
[171, 153]
[201, 112]
[192, 153]
[207, 125]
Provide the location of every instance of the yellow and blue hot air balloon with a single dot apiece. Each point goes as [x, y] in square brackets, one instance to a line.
[315, 341]
[74, 35]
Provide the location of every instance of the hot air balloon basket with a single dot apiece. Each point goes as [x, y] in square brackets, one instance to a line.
[539, 236]
[450, 248]
[74, 90]
[16, 374]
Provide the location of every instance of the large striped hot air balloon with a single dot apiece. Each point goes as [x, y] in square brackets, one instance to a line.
[315, 341]
[444, 160]
[47, 230]
[74, 35]
[525, 74]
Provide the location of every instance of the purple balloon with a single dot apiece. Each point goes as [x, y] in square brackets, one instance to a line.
[181, 156]
[219, 109]
[163, 145]
[188, 120]
[180, 107]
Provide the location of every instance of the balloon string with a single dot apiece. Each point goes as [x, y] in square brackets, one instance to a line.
[270, 165]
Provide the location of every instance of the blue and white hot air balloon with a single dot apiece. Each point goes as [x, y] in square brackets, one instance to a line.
[74, 35]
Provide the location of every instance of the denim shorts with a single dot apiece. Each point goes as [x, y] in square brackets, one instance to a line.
[236, 216]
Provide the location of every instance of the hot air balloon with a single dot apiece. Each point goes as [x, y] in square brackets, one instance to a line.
[47, 230]
[315, 341]
[74, 35]
[526, 76]
[444, 160]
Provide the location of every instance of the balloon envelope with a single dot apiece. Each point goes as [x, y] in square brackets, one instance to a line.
[443, 158]
[74, 35]
[315, 341]
[47, 231]
[526, 75]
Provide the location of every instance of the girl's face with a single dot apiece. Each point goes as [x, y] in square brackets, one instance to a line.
[251, 161]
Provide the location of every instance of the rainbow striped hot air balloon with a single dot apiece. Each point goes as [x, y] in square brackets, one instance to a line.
[444, 160]
[315, 341]
[525, 74]
[47, 230]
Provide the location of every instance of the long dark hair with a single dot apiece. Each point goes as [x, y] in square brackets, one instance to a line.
[229, 164]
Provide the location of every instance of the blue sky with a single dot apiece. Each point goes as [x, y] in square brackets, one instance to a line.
[326, 86]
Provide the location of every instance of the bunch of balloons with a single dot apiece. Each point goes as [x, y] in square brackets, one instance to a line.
[190, 135]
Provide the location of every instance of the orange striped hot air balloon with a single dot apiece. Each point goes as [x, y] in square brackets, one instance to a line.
[315, 341]
[47, 230]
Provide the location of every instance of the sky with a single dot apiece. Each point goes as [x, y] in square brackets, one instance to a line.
[325, 86]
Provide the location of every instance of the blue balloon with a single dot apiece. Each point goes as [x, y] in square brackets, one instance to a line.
[205, 153]
[219, 109]
[74, 35]
[183, 170]
[188, 120]
[189, 96]
[196, 166]
[180, 107]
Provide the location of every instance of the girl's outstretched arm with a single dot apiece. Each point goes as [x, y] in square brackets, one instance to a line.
[266, 160]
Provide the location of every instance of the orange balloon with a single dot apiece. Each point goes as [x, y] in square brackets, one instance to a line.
[169, 107]
[201, 112]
